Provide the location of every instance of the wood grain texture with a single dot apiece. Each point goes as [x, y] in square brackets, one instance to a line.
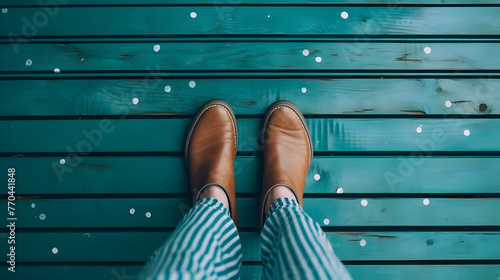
[245, 56]
[251, 96]
[234, 20]
[168, 175]
[81, 137]
[249, 53]
[167, 212]
[83, 245]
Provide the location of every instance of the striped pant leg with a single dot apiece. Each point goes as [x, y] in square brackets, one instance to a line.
[294, 246]
[205, 245]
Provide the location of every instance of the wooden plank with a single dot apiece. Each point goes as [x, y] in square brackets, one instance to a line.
[80, 137]
[392, 3]
[415, 272]
[322, 96]
[413, 246]
[408, 212]
[338, 211]
[245, 56]
[248, 272]
[168, 175]
[230, 20]
[75, 272]
[205, 74]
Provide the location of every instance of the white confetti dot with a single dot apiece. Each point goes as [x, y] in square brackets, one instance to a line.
[419, 129]
[364, 202]
[426, 201]
[427, 50]
[62, 161]
[447, 103]
[33, 205]
[466, 132]
[344, 15]
[305, 52]
[42, 216]
[268, 15]
[340, 190]
[362, 243]
[135, 100]
[193, 15]
[168, 89]
[326, 221]
[317, 177]
[28, 62]
[55, 250]
[131, 211]
[318, 59]
[148, 215]
[156, 48]
[192, 84]
[57, 70]
[5, 10]
[304, 90]
[86, 235]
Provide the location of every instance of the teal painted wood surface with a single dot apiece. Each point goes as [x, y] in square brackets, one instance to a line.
[251, 55]
[250, 20]
[166, 212]
[168, 175]
[80, 137]
[204, 74]
[246, 56]
[392, 3]
[415, 272]
[85, 272]
[252, 96]
[248, 272]
[83, 245]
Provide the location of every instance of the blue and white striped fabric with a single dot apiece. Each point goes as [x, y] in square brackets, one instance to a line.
[206, 245]
[294, 246]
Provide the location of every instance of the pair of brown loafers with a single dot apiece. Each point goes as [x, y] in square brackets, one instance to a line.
[212, 142]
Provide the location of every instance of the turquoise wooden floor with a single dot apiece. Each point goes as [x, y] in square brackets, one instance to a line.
[402, 99]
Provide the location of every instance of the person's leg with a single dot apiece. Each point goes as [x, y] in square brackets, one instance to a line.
[205, 244]
[293, 245]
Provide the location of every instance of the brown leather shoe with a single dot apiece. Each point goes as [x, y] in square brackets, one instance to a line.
[211, 146]
[286, 151]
